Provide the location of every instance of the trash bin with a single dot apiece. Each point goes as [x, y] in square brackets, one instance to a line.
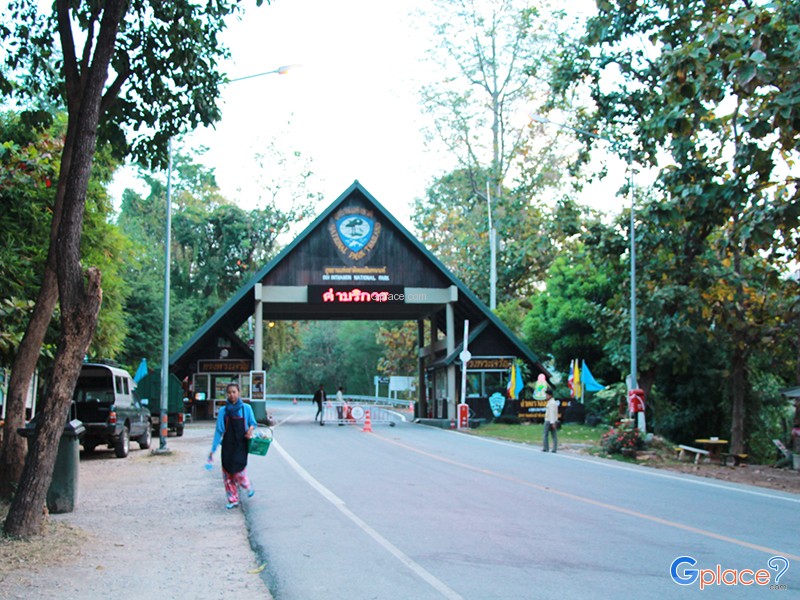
[62, 494]
[259, 410]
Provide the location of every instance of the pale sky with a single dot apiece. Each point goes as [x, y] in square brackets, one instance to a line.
[353, 102]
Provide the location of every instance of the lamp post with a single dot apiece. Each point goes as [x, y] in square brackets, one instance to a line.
[162, 417]
[163, 425]
[492, 254]
[633, 384]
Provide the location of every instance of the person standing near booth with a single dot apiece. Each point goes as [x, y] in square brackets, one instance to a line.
[236, 423]
[340, 405]
[550, 421]
[319, 398]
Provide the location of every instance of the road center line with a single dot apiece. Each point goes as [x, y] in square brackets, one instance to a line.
[585, 500]
[441, 587]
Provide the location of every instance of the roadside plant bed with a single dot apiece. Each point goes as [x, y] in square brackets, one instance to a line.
[622, 440]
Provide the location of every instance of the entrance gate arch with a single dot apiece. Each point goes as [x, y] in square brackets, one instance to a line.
[355, 261]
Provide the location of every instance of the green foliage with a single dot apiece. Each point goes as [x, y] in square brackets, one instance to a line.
[15, 314]
[605, 405]
[216, 247]
[361, 356]
[562, 321]
[708, 84]
[332, 353]
[497, 56]
[398, 342]
[30, 150]
[621, 438]
[452, 222]
[165, 63]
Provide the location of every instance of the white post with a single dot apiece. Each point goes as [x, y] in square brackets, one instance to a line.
[451, 369]
[258, 334]
[492, 254]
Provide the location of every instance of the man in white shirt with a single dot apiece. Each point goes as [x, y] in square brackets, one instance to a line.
[340, 405]
[550, 421]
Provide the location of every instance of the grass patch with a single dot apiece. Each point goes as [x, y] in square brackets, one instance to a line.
[570, 433]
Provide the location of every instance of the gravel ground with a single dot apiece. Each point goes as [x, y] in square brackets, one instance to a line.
[145, 526]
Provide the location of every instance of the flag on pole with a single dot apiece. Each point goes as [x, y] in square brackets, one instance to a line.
[577, 385]
[589, 382]
[515, 384]
[571, 378]
[141, 372]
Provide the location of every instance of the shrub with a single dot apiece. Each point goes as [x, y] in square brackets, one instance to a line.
[507, 420]
[620, 438]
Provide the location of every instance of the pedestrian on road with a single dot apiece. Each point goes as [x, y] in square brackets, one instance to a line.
[550, 421]
[236, 423]
[320, 398]
[340, 405]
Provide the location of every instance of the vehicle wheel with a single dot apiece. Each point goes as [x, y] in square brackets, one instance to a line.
[179, 430]
[145, 439]
[123, 445]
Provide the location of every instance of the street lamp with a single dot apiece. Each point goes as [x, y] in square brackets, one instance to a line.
[544, 120]
[279, 71]
[163, 426]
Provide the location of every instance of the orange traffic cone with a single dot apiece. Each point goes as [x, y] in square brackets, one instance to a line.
[367, 422]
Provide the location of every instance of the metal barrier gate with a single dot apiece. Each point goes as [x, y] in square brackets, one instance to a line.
[345, 413]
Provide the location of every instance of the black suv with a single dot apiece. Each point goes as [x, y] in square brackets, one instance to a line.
[105, 402]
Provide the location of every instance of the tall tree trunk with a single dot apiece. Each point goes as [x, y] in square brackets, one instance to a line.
[738, 394]
[12, 453]
[25, 516]
[80, 302]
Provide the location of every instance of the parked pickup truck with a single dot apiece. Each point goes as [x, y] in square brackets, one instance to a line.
[111, 413]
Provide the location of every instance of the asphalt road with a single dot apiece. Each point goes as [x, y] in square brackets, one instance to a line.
[415, 512]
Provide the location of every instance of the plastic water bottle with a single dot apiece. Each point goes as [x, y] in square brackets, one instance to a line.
[209, 464]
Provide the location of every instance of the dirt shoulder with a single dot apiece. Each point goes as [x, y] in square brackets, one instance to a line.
[785, 480]
[765, 476]
[147, 525]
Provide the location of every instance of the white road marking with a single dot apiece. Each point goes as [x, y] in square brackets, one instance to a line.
[386, 544]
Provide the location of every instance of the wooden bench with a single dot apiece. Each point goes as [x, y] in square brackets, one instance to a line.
[787, 455]
[738, 459]
[698, 452]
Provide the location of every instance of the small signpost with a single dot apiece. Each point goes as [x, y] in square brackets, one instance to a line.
[463, 407]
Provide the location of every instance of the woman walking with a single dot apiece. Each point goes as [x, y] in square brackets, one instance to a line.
[235, 425]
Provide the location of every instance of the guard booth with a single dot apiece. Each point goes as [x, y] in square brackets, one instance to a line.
[357, 262]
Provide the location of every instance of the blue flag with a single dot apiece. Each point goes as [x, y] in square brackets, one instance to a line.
[141, 372]
[589, 382]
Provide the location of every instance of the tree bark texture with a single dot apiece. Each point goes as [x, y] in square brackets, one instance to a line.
[738, 392]
[80, 302]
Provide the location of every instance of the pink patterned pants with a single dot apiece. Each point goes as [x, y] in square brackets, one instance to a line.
[233, 481]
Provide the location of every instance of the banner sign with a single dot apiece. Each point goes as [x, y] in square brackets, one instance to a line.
[326, 294]
[223, 366]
